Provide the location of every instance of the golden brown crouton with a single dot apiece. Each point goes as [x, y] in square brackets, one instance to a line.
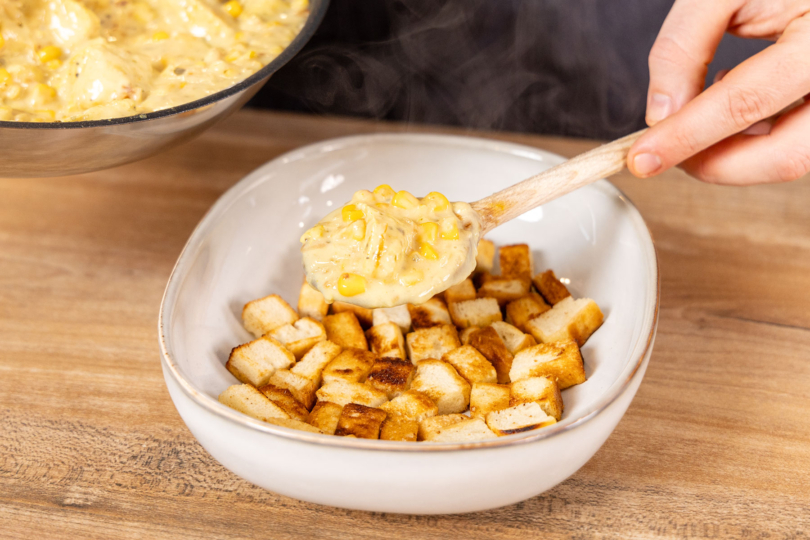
[256, 361]
[345, 330]
[302, 388]
[361, 421]
[516, 261]
[541, 390]
[343, 392]
[311, 303]
[504, 290]
[284, 399]
[442, 383]
[468, 430]
[517, 419]
[292, 423]
[312, 364]
[460, 292]
[300, 336]
[514, 339]
[480, 312]
[486, 397]
[522, 310]
[364, 315]
[471, 365]
[324, 416]
[550, 287]
[398, 428]
[266, 314]
[560, 361]
[351, 365]
[411, 404]
[431, 313]
[398, 315]
[489, 343]
[433, 425]
[485, 256]
[391, 375]
[246, 399]
[465, 335]
[385, 340]
[432, 342]
[568, 319]
[483, 278]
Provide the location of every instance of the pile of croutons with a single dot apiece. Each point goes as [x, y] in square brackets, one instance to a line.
[469, 364]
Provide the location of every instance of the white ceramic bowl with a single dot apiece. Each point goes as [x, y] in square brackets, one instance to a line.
[247, 246]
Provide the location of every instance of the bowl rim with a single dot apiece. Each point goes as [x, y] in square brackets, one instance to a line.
[213, 406]
[307, 31]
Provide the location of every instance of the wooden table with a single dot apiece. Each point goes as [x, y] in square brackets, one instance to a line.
[716, 443]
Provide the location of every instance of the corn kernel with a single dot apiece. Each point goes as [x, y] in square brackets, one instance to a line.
[239, 36]
[411, 278]
[233, 8]
[48, 114]
[351, 213]
[427, 251]
[359, 229]
[312, 234]
[438, 201]
[45, 92]
[51, 52]
[160, 36]
[351, 284]
[53, 64]
[385, 191]
[252, 55]
[404, 200]
[428, 231]
[449, 230]
[5, 76]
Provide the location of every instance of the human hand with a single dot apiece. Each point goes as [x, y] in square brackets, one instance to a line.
[726, 134]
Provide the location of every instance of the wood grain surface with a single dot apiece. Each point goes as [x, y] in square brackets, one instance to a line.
[715, 445]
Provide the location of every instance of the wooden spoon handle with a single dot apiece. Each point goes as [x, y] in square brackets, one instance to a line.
[584, 169]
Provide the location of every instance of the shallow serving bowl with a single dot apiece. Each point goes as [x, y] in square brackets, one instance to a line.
[247, 247]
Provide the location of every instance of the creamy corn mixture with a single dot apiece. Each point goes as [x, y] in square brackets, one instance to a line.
[71, 60]
[387, 248]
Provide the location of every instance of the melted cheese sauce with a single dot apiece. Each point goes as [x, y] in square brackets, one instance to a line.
[386, 249]
[72, 60]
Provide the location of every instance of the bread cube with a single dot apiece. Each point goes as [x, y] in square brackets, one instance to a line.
[541, 390]
[489, 343]
[351, 365]
[311, 303]
[485, 256]
[246, 399]
[431, 313]
[285, 400]
[266, 314]
[399, 429]
[364, 315]
[398, 315]
[442, 383]
[325, 415]
[432, 426]
[411, 404]
[568, 319]
[312, 364]
[550, 287]
[300, 336]
[256, 361]
[487, 397]
[460, 292]
[522, 310]
[471, 365]
[560, 361]
[433, 342]
[468, 430]
[483, 278]
[517, 419]
[516, 262]
[465, 335]
[293, 423]
[514, 339]
[361, 421]
[302, 388]
[479, 312]
[391, 375]
[504, 290]
[345, 330]
[343, 392]
[385, 340]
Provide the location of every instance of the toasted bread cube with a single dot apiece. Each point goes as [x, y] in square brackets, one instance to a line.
[487, 397]
[560, 361]
[568, 319]
[391, 375]
[541, 390]
[361, 421]
[485, 256]
[433, 342]
[514, 339]
[385, 340]
[465, 335]
[311, 303]
[483, 278]
[398, 428]
[460, 292]
[516, 261]
[266, 314]
[442, 383]
[285, 400]
[489, 343]
[312, 364]
[325, 415]
[398, 315]
[479, 312]
[504, 290]
[300, 336]
[246, 399]
[302, 388]
[345, 330]
[411, 404]
[522, 310]
[468, 430]
[550, 287]
[517, 419]
[343, 392]
[431, 313]
[364, 315]
[471, 365]
[256, 361]
[433, 425]
[292, 423]
[351, 365]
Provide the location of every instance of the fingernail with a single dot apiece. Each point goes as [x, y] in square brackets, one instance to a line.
[760, 128]
[659, 108]
[646, 164]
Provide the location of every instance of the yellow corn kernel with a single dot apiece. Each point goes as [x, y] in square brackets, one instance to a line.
[160, 35]
[351, 284]
[351, 213]
[427, 251]
[53, 64]
[428, 231]
[312, 234]
[385, 191]
[438, 201]
[45, 93]
[5, 76]
[449, 230]
[48, 114]
[252, 55]
[232, 56]
[411, 278]
[359, 229]
[404, 200]
[51, 52]
[239, 36]
[233, 8]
